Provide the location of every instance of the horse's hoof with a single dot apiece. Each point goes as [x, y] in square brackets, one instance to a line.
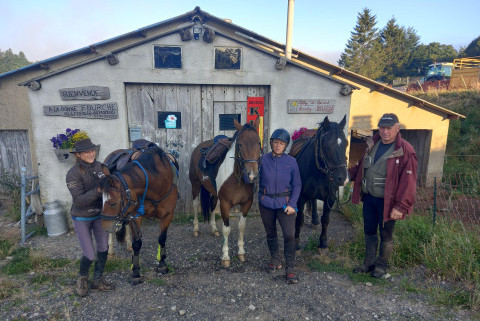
[323, 245]
[136, 281]
[241, 257]
[161, 269]
[195, 234]
[216, 233]
[226, 263]
[129, 249]
[110, 256]
[315, 222]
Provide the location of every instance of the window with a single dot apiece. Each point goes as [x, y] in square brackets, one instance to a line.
[226, 121]
[228, 58]
[167, 57]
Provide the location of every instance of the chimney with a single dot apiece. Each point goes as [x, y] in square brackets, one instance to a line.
[288, 46]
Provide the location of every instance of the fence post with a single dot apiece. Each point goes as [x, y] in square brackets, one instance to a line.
[22, 202]
[434, 199]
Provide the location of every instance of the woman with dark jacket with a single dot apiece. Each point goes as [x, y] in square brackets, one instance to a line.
[278, 193]
[82, 182]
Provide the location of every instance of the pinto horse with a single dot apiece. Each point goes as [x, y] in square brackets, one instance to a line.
[204, 187]
[238, 189]
[144, 187]
[323, 168]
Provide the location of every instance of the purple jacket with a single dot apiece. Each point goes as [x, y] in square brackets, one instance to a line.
[280, 182]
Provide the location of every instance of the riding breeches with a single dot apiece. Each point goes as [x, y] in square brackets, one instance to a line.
[84, 231]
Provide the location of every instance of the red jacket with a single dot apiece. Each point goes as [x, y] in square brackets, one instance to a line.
[401, 181]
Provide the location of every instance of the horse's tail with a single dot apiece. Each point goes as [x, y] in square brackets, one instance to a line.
[205, 203]
[120, 234]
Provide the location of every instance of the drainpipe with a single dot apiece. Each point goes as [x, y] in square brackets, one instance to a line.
[288, 47]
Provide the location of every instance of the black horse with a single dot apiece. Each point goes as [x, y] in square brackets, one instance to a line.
[323, 168]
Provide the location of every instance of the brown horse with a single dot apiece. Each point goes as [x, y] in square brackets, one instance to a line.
[238, 189]
[204, 187]
[146, 186]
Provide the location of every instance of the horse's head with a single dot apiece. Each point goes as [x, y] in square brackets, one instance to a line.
[116, 203]
[248, 150]
[330, 151]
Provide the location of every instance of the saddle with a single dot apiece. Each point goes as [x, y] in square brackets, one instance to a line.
[300, 142]
[117, 160]
[220, 147]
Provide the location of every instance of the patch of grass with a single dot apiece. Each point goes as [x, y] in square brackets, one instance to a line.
[6, 247]
[20, 262]
[42, 278]
[116, 264]
[183, 218]
[8, 288]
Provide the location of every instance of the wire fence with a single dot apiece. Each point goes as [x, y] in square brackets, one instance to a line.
[452, 197]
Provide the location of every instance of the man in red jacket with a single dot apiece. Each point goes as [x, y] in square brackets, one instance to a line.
[385, 180]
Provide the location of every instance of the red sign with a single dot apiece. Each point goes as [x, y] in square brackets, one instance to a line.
[255, 108]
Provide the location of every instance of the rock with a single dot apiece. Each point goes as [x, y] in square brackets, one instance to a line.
[251, 307]
[182, 312]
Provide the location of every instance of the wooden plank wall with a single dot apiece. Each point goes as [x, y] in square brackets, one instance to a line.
[199, 105]
[15, 151]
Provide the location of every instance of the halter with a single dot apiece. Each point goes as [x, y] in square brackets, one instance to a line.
[328, 170]
[239, 160]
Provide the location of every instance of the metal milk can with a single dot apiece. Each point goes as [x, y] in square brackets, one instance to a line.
[55, 218]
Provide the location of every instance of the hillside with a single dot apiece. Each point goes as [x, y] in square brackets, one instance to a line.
[464, 134]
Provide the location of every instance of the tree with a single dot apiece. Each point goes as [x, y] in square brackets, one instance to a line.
[428, 54]
[398, 44]
[10, 61]
[362, 51]
[473, 49]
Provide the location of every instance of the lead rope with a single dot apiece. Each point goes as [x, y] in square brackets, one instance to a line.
[141, 208]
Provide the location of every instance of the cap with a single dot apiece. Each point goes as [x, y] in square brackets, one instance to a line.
[388, 120]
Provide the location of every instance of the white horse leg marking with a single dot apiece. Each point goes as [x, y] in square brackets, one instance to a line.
[213, 224]
[225, 257]
[241, 230]
[128, 238]
[111, 252]
[196, 203]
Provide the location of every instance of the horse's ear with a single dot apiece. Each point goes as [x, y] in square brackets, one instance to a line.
[326, 123]
[237, 125]
[342, 123]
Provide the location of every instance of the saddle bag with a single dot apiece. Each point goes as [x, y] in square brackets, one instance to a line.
[300, 142]
[218, 150]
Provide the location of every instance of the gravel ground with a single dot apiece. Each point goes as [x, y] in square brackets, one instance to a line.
[198, 288]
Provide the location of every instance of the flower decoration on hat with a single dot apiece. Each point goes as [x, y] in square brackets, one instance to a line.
[68, 139]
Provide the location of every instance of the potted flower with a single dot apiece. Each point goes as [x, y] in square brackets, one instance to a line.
[64, 142]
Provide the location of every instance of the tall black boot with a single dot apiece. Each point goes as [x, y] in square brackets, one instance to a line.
[99, 282]
[381, 265]
[82, 281]
[274, 254]
[371, 244]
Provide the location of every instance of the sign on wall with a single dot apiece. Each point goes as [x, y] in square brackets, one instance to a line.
[256, 108]
[102, 111]
[169, 119]
[85, 93]
[311, 106]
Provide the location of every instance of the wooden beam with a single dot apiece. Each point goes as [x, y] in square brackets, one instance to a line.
[380, 88]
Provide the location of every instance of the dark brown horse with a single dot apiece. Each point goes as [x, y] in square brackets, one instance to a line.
[144, 187]
[238, 189]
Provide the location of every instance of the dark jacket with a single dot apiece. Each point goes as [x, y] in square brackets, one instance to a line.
[280, 182]
[401, 181]
[82, 182]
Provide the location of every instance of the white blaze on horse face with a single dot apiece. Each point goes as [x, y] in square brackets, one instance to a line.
[105, 198]
[339, 141]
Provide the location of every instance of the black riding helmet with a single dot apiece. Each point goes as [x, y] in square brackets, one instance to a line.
[281, 134]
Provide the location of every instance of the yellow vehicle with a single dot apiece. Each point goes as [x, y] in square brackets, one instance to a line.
[466, 73]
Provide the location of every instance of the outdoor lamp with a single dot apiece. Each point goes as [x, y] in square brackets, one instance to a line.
[196, 32]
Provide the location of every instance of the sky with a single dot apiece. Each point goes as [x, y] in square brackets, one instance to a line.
[44, 29]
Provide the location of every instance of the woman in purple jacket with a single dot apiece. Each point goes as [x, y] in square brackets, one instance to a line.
[278, 193]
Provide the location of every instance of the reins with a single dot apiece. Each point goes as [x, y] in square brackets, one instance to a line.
[239, 160]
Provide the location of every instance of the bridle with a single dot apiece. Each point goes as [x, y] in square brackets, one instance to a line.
[240, 162]
[318, 148]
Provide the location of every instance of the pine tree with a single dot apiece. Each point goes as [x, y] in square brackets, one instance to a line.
[10, 61]
[362, 51]
[398, 44]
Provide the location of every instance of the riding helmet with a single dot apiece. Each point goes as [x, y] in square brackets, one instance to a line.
[281, 134]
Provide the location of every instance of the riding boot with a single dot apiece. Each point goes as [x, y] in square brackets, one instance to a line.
[273, 248]
[381, 263]
[99, 282]
[371, 244]
[82, 281]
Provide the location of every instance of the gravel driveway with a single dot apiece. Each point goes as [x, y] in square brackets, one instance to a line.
[198, 288]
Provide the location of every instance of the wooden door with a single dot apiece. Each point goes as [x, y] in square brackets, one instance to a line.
[200, 107]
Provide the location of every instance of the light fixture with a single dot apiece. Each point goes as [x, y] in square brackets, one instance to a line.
[197, 31]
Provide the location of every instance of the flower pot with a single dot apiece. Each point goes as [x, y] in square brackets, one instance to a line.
[63, 155]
